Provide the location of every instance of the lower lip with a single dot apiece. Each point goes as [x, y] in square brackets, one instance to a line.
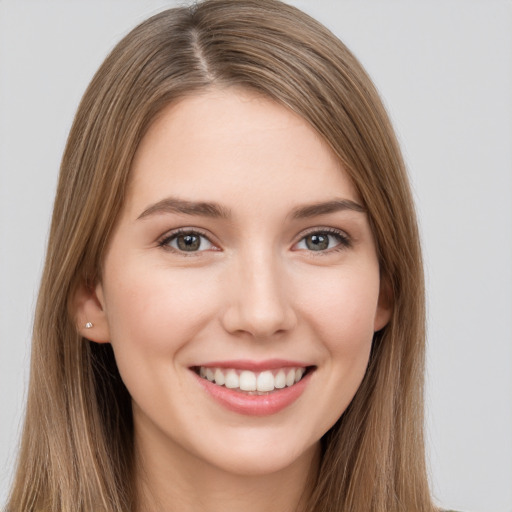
[255, 405]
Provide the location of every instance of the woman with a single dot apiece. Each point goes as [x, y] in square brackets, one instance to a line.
[231, 313]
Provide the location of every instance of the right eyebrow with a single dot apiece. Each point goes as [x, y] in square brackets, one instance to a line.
[175, 205]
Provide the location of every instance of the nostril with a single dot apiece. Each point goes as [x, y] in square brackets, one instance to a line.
[260, 321]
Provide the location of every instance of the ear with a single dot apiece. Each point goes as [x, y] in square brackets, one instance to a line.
[89, 308]
[384, 305]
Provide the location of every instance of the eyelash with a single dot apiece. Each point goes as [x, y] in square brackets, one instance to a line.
[343, 239]
[168, 238]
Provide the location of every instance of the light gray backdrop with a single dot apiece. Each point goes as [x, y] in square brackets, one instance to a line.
[444, 68]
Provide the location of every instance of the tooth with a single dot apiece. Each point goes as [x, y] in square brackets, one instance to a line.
[290, 377]
[219, 377]
[265, 381]
[280, 380]
[232, 381]
[247, 381]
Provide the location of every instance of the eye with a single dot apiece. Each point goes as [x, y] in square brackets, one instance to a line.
[323, 241]
[187, 241]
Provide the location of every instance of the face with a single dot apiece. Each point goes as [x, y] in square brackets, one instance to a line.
[240, 289]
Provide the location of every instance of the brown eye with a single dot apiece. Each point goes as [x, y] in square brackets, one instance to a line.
[189, 241]
[317, 242]
[323, 241]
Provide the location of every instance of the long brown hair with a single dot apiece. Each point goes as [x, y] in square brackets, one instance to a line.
[77, 445]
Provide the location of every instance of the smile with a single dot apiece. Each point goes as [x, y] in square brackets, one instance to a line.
[254, 389]
[253, 382]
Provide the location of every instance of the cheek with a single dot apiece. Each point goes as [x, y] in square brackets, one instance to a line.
[347, 333]
[152, 315]
[342, 320]
[159, 310]
[343, 308]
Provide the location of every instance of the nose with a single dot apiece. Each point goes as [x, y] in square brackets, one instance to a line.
[258, 298]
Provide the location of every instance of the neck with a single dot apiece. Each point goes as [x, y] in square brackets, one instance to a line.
[176, 481]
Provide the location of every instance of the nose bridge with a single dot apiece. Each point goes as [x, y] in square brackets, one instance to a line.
[259, 302]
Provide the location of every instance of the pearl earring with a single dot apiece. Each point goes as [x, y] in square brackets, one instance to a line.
[88, 325]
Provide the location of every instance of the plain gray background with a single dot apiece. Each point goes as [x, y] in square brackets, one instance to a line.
[444, 68]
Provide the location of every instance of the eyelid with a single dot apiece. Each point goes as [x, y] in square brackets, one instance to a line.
[343, 236]
[169, 235]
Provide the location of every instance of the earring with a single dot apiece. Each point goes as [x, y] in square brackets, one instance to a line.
[88, 325]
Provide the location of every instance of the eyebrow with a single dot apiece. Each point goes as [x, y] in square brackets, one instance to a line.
[174, 205]
[214, 210]
[323, 208]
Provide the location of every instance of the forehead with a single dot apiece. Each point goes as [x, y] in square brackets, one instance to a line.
[231, 144]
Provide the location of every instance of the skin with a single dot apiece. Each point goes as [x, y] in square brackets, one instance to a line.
[255, 290]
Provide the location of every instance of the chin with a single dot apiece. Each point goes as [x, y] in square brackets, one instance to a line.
[259, 463]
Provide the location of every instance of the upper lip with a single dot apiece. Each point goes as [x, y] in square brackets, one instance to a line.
[255, 366]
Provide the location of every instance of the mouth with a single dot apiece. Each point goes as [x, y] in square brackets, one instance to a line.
[254, 383]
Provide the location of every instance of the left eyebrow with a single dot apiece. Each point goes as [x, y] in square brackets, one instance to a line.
[336, 205]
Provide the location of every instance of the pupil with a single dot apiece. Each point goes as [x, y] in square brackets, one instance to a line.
[189, 242]
[317, 242]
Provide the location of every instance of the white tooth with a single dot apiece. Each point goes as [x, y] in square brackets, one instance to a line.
[202, 372]
[299, 372]
[280, 380]
[265, 381]
[247, 381]
[209, 374]
[290, 377]
[219, 377]
[231, 381]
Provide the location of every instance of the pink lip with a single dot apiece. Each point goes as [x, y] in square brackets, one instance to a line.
[255, 405]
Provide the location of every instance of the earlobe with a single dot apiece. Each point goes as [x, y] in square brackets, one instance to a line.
[384, 306]
[89, 313]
